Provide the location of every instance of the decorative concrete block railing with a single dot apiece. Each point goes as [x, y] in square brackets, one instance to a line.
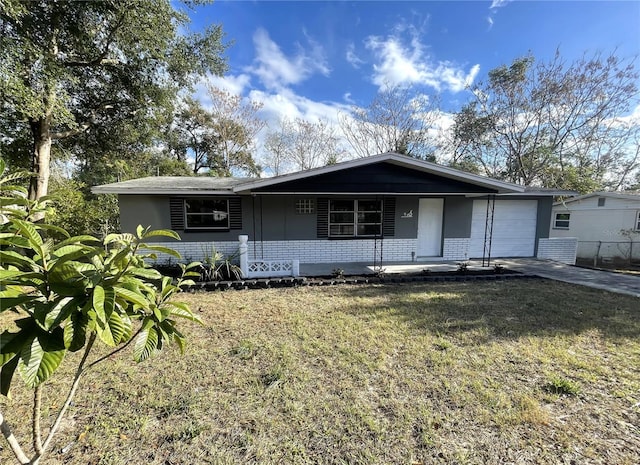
[264, 268]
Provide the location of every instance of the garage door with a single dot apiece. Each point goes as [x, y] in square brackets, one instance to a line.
[514, 228]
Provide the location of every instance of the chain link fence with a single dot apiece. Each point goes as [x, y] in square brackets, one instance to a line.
[608, 253]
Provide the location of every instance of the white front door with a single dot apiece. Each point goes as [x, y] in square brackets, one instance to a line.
[430, 227]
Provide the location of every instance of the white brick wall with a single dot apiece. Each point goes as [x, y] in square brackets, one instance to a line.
[311, 251]
[196, 251]
[559, 249]
[456, 248]
[324, 251]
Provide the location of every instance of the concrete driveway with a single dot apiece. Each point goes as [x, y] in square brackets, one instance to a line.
[607, 280]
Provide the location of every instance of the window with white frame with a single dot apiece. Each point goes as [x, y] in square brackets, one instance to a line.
[355, 218]
[206, 213]
[304, 206]
[562, 221]
[638, 220]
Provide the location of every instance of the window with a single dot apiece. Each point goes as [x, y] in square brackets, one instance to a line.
[304, 206]
[638, 221]
[207, 213]
[355, 218]
[562, 221]
[601, 201]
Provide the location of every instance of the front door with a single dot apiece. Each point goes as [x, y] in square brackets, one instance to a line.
[430, 227]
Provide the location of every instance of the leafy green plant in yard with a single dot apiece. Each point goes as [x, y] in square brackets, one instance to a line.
[70, 293]
[245, 350]
[463, 268]
[217, 267]
[337, 273]
[442, 344]
[562, 386]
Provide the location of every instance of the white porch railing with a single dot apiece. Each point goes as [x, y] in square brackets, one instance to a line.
[264, 268]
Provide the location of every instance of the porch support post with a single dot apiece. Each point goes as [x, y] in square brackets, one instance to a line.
[244, 255]
[295, 268]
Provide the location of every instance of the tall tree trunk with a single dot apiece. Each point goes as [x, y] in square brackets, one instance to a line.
[41, 157]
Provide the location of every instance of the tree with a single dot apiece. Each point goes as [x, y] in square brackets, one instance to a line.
[397, 120]
[81, 291]
[221, 139]
[554, 124]
[87, 72]
[301, 145]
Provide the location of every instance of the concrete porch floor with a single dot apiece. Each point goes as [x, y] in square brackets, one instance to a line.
[362, 268]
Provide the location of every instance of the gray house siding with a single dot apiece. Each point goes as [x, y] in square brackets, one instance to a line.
[274, 218]
[146, 210]
[457, 217]
[406, 228]
[545, 206]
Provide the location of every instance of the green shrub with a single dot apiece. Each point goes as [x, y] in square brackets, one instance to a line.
[71, 292]
[562, 386]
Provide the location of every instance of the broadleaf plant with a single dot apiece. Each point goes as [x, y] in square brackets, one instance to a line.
[71, 292]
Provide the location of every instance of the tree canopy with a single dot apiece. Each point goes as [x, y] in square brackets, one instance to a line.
[398, 119]
[301, 145]
[554, 124]
[219, 139]
[87, 78]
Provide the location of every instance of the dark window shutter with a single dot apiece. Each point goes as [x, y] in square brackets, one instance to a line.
[176, 208]
[322, 217]
[235, 213]
[389, 217]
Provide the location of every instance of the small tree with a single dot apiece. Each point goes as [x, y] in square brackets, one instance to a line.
[221, 139]
[70, 293]
[399, 119]
[302, 145]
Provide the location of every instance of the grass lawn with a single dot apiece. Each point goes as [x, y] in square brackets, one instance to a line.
[515, 372]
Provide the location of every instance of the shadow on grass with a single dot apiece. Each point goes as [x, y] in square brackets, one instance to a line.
[501, 309]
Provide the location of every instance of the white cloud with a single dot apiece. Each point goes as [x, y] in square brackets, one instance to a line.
[628, 121]
[233, 84]
[352, 58]
[286, 103]
[399, 63]
[456, 78]
[275, 70]
[495, 4]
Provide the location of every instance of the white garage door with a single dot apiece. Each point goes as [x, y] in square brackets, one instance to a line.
[514, 228]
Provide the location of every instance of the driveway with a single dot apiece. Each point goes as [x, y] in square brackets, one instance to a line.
[609, 281]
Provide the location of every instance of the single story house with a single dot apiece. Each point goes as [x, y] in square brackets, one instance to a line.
[380, 209]
[607, 225]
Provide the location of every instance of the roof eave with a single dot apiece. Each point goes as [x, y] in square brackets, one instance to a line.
[157, 191]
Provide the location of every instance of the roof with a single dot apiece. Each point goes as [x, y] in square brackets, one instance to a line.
[390, 157]
[185, 185]
[625, 195]
[172, 185]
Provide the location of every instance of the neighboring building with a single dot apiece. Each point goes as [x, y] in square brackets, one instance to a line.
[385, 208]
[607, 225]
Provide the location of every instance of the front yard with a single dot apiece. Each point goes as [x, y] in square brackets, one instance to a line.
[526, 371]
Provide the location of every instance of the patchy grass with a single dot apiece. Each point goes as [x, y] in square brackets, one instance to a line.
[406, 374]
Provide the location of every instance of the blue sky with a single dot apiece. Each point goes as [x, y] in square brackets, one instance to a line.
[311, 59]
